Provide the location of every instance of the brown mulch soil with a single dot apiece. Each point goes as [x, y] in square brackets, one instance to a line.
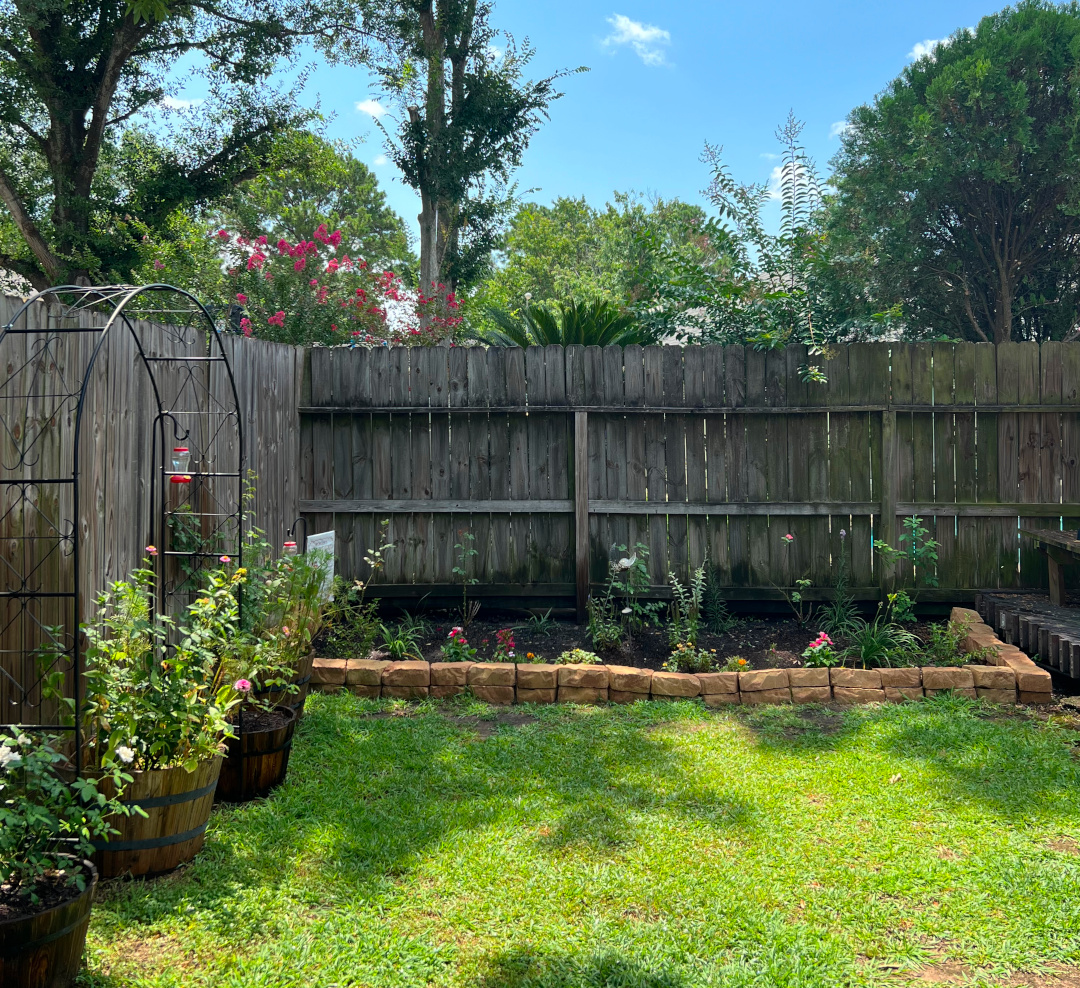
[52, 890]
[764, 643]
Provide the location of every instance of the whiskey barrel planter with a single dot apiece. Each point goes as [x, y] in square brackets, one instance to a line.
[177, 805]
[301, 679]
[257, 759]
[45, 950]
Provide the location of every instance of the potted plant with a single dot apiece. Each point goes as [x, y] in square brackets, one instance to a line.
[154, 704]
[48, 821]
[257, 626]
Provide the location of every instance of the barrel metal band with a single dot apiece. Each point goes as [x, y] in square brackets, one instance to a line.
[179, 797]
[149, 843]
[22, 946]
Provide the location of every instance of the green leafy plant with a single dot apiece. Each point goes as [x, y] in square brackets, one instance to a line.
[734, 663]
[920, 552]
[820, 653]
[577, 656]
[594, 323]
[542, 624]
[686, 608]
[796, 598]
[456, 648]
[49, 818]
[715, 614]
[903, 607]
[351, 620]
[945, 647]
[466, 550]
[880, 642]
[399, 642]
[688, 658]
[839, 616]
[148, 703]
[504, 646]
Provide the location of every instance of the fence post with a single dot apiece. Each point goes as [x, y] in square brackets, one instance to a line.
[886, 573]
[581, 510]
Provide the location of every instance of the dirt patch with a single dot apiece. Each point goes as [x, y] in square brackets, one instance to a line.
[1064, 845]
[947, 971]
[52, 890]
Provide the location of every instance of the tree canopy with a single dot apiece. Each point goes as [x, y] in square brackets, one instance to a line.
[73, 75]
[957, 193]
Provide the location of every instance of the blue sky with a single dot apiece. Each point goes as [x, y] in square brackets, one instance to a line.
[667, 77]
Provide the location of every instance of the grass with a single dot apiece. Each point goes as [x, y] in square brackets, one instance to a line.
[654, 846]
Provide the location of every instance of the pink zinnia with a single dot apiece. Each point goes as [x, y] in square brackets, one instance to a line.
[225, 559]
[151, 550]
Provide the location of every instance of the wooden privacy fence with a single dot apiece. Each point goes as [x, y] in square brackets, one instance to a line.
[549, 456]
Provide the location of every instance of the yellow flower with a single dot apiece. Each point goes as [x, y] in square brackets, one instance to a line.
[529, 655]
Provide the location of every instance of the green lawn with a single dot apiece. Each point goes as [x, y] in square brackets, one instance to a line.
[661, 845]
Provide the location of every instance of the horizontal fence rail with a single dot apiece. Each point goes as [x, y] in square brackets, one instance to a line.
[541, 460]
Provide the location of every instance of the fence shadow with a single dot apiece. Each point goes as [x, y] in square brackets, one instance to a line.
[525, 969]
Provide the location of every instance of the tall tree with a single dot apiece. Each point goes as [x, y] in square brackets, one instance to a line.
[958, 188]
[73, 72]
[466, 115]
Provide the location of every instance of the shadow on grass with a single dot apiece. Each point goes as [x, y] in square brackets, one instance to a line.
[524, 969]
[368, 796]
[995, 756]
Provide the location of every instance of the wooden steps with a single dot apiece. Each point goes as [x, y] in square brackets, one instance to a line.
[1031, 623]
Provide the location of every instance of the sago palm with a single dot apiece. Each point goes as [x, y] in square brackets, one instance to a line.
[595, 323]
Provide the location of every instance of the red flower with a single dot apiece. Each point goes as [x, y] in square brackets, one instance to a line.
[283, 246]
[300, 264]
[223, 235]
[277, 319]
[241, 297]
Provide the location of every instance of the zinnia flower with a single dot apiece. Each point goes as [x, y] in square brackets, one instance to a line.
[788, 538]
[9, 758]
[242, 686]
[151, 550]
[225, 559]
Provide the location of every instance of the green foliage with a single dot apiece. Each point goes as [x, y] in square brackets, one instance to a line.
[688, 658]
[148, 704]
[81, 191]
[839, 615]
[920, 553]
[714, 610]
[956, 188]
[400, 642]
[686, 608]
[466, 551]
[542, 624]
[594, 323]
[577, 657]
[49, 820]
[880, 642]
[821, 653]
[351, 620]
[619, 611]
[456, 648]
[945, 647]
[903, 607]
[466, 115]
[569, 250]
[734, 663]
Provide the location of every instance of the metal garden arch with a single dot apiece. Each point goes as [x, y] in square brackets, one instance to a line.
[102, 389]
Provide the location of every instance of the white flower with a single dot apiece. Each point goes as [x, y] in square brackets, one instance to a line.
[9, 758]
[626, 610]
[627, 562]
[528, 296]
[21, 740]
[125, 754]
[510, 654]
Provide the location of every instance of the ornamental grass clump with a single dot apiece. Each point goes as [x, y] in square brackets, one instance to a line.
[49, 817]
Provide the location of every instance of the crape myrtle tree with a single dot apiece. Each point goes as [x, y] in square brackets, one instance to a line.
[75, 73]
[465, 117]
[958, 188]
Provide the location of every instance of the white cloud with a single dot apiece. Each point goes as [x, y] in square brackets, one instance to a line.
[926, 48]
[769, 156]
[180, 104]
[839, 129]
[494, 52]
[372, 107]
[380, 160]
[647, 40]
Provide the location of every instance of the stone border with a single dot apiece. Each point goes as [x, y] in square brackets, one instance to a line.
[1010, 678]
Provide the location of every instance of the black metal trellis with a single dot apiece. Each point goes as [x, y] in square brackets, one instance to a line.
[98, 385]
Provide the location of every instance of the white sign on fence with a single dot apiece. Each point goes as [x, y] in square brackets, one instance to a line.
[324, 542]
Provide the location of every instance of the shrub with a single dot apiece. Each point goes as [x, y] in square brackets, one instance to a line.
[687, 658]
[578, 656]
[48, 822]
[736, 663]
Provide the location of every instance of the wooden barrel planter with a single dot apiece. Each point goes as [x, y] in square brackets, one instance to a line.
[301, 679]
[45, 950]
[177, 804]
[257, 758]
